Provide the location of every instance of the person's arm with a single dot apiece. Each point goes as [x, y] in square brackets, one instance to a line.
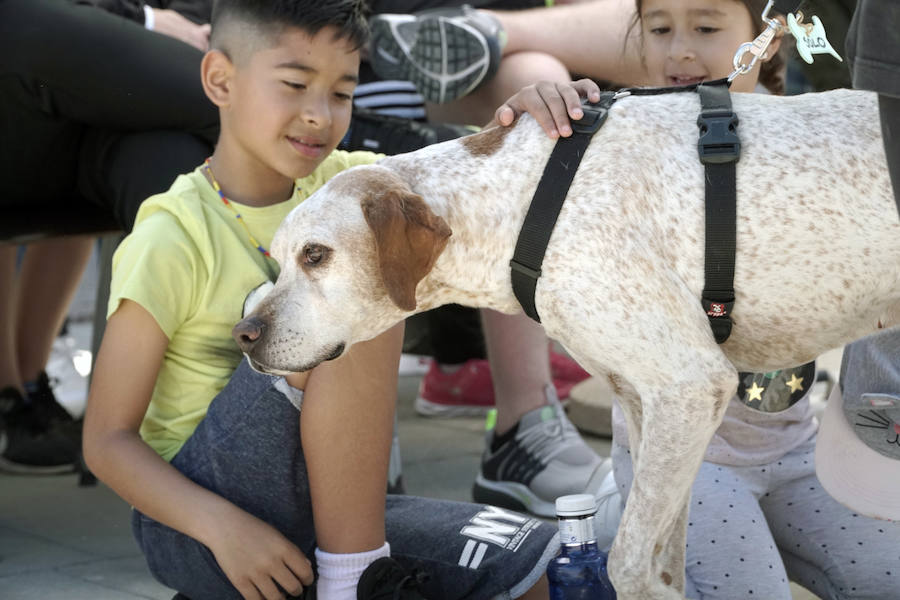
[251, 553]
[551, 104]
[593, 39]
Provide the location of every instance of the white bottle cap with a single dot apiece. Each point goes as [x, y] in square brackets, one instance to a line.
[576, 505]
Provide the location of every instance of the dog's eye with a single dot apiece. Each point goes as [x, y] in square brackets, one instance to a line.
[313, 254]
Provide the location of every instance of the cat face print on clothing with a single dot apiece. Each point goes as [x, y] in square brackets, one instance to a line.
[858, 453]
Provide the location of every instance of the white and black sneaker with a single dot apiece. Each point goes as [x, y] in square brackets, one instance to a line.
[445, 52]
[541, 458]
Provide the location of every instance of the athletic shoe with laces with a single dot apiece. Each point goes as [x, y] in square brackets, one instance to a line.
[33, 441]
[394, 135]
[387, 579]
[545, 458]
[466, 392]
[46, 410]
[445, 52]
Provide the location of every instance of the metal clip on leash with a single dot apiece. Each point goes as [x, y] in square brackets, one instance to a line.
[758, 46]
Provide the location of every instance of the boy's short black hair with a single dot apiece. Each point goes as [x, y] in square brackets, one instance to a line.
[271, 17]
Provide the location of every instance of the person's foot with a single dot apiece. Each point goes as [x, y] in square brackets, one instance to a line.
[46, 409]
[33, 442]
[394, 135]
[541, 458]
[464, 392]
[386, 578]
[445, 52]
[468, 390]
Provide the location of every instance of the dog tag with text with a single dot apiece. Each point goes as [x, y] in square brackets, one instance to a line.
[810, 37]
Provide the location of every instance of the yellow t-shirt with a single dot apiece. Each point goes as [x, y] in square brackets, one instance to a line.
[189, 262]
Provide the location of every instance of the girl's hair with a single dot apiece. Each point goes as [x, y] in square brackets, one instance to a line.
[771, 72]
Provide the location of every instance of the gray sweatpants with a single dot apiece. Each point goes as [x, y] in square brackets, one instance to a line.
[751, 529]
[248, 450]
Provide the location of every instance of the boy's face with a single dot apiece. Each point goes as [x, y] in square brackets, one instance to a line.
[290, 105]
[688, 41]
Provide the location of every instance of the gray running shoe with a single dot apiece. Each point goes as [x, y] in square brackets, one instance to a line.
[445, 52]
[545, 459]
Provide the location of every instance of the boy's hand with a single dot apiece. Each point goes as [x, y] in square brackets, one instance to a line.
[550, 103]
[256, 557]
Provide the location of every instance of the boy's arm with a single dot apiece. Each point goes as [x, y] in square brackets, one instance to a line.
[551, 104]
[251, 553]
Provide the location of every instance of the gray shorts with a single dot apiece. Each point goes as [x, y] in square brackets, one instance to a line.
[248, 450]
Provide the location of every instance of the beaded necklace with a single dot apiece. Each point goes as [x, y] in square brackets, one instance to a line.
[237, 215]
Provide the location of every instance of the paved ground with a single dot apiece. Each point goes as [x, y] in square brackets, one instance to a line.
[62, 541]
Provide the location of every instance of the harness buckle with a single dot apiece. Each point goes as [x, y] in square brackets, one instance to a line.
[593, 119]
[719, 141]
[719, 313]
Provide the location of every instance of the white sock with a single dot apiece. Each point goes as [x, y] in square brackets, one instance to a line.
[339, 573]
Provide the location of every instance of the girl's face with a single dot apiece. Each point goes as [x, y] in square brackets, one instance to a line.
[689, 41]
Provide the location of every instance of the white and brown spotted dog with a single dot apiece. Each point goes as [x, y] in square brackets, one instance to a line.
[818, 265]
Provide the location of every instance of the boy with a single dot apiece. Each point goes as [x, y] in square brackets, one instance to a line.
[234, 493]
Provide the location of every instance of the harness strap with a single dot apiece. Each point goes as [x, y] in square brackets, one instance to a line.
[548, 200]
[720, 148]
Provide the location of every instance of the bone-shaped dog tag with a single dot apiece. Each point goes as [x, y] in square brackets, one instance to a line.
[810, 37]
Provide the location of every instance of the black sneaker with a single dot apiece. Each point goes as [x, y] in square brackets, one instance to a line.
[395, 135]
[445, 52]
[28, 447]
[386, 578]
[46, 410]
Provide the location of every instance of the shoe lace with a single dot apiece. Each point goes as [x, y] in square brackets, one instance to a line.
[548, 439]
[411, 582]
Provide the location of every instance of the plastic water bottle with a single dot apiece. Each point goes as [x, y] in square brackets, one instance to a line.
[579, 570]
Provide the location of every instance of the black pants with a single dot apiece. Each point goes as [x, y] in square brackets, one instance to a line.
[94, 107]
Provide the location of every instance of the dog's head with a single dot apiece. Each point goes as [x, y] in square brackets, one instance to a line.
[351, 257]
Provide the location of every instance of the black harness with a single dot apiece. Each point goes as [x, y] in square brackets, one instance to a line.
[719, 149]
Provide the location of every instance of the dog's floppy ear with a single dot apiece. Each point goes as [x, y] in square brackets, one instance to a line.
[408, 239]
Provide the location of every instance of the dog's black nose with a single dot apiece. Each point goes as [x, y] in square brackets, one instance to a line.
[248, 332]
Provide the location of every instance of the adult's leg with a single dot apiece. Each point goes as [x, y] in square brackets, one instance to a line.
[101, 70]
[520, 367]
[515, 72]
[589, 38]
[121, 170]
[47, 280]
[9, 367]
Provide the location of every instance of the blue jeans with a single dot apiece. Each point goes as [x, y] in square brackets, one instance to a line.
[248, 450]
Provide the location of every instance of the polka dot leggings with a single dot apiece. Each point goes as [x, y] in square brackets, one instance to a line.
[751, 529]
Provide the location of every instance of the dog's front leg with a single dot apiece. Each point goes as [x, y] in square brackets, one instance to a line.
[677, 420]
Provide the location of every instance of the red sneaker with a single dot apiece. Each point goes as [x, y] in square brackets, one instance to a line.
[468, 391]
[566, 369]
